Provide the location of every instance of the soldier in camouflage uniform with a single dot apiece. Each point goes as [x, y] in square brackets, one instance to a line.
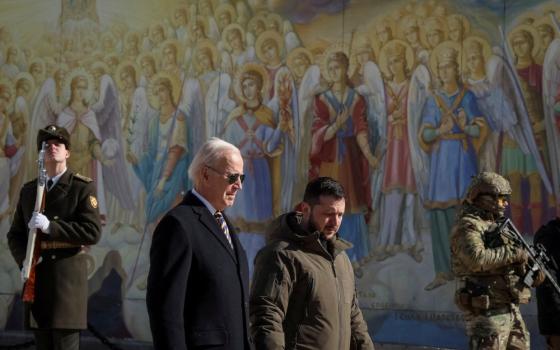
[490, 268]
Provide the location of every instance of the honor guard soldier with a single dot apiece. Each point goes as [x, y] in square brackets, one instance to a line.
[56, 292]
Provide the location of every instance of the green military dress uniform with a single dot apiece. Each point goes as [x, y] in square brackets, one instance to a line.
[491, 289]
[61, 290]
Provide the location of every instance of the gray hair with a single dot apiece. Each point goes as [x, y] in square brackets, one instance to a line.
[211, 152]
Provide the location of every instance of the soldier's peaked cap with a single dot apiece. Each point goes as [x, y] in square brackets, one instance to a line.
[51, 132]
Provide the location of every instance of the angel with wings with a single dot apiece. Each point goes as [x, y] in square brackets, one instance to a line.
[136, 115]
[530, 215]
[340, 149]
[511, 148]
[162, 168]
[236, 53]
[95, 134]
[46, 105]
[24, 92]
[8, 148]
[282, 99]
[308, 82]
[409, 30]
[253, 128]
[399, 204]
[551, 105]
[445, 127]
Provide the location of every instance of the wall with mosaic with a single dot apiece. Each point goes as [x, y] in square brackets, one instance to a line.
[135, 81]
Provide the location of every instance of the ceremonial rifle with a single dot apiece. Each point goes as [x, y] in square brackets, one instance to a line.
[33, 239]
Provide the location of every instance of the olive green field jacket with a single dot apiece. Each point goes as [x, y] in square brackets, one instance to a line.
[303, 297]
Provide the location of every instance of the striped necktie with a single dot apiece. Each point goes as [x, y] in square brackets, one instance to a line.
[49, 184]
[223, 226]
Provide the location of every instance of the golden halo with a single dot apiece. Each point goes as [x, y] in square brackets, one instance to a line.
[230, 28]
[408, 21]
[336, 47]
[178, 49]
[175, 87]
[208, 46]
[360, 44]
[527, 18]
[183, 9]
[486, 49]
[266, 36]
[226, 8]
[534, 34]
[25, 76]
[461, 19]
[130, 35]
[300, 51]
[147, 55]
[251, 67]
[252, 22]
[10, 87]
[201, 21]
[39, 61]
[276, 18]
[121, 68]
[437, 51]
[110, 36]
[100, 65]
[439, 10]
[546, 20]
[66, 90]
[432, 23]
[155, 26]
[378, 23]
[409, 56]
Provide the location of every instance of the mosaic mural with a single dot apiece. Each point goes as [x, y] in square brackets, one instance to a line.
[137, 81]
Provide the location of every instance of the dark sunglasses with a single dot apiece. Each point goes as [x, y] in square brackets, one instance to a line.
[231, 178]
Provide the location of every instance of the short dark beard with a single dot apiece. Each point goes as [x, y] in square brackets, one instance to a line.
[311, 225]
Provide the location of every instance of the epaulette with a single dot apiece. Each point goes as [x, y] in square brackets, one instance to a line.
[83, 178]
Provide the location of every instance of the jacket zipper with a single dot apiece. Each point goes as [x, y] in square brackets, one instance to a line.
[338, 304]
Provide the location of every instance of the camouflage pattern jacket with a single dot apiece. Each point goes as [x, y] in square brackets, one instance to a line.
[486, 259]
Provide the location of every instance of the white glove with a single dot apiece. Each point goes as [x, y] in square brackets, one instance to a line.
[39, 221]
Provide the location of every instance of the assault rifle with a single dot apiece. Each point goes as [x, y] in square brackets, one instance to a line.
[538, 257]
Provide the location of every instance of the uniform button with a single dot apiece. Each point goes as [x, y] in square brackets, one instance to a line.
[53, 257]
[55, 218]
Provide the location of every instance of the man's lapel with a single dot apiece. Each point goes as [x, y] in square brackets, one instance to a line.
[208, 220]
[60, 190]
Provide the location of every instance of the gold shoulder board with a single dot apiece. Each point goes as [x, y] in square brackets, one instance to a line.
[82, 177]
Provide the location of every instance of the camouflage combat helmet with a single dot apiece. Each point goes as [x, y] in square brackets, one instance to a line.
[485, 191]
[488, 183]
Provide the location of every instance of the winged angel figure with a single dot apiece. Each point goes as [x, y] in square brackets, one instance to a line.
[551, 99]
[445, 127]
[346, 110]
[494, 82]
[394, 190]
[95, 131]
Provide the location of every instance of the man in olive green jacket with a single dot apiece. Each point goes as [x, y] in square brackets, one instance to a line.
[303, 293]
